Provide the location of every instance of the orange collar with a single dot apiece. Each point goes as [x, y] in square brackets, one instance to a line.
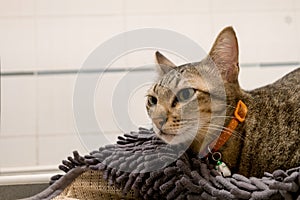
[239, 117]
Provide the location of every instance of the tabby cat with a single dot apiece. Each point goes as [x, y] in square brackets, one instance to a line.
[188, 103]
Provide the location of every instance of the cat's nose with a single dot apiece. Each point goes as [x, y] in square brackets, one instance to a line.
[159, 121]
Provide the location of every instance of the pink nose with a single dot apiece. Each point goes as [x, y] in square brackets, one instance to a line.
[159, 122]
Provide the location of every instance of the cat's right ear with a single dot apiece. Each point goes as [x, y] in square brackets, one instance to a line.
[164, 64]
[225, 53]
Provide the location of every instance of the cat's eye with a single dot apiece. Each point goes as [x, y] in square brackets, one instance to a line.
[185, 94]
[152, 100]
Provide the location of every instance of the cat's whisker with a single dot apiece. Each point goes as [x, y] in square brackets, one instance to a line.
[222, 116]
[206, 124]
[213, 135]
[224, 128]
[224, 104]
[231, 117]
[220, 129]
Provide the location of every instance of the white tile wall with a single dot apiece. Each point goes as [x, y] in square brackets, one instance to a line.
[296, 5]
[53, 149]
[252, 6]
[296, 21]
[17, 8]
[18, 106]
[145, 58]
[166, 7]
[197, 27]
[17, 39]
[257, 32]
[255, 77]
[143, 7]
[92, 141]
[54, 104]
[120, 101]
[65, 43]
[18, 151]
[190, 6]
[104, 112]
[37, 111]
[79, 7]
[140, 84]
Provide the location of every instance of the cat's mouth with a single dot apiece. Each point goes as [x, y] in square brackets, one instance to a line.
[167, 134]
[170, 138]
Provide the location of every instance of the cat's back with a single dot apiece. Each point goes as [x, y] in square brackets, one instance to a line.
[292, 79]
[277, 103]
[286, 88]
[273, 126]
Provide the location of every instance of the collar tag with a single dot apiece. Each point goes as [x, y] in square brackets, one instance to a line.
[240, 111]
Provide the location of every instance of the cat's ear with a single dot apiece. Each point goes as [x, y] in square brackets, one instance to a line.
[225, 53]
[164, 64]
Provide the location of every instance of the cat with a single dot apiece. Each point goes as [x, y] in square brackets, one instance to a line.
[189, 103]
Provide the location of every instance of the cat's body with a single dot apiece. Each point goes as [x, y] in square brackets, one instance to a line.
[195, 102]
[271, 131]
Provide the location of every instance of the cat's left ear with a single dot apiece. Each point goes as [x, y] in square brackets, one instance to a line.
[225, 53]
[164, 64]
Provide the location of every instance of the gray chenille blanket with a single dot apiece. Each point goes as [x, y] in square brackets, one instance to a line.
[141, 166]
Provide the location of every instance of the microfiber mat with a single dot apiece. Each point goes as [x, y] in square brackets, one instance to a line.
[141, 166]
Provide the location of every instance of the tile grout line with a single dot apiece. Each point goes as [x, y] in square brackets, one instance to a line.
[0, 99]
[37, 153]
[117, 70]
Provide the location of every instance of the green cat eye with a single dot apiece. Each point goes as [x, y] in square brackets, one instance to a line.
[152, 100]
[185, 94]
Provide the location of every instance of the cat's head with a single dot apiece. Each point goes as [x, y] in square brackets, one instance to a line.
[190, 100]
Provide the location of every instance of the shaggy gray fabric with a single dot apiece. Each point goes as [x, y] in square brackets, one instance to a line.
[128, 165]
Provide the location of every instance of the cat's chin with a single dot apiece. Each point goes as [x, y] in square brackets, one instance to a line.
[168, 138]
[172, 138]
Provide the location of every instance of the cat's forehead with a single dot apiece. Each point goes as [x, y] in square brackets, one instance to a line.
[181, 77]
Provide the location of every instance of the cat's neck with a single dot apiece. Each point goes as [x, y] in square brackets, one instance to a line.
[231, 150]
